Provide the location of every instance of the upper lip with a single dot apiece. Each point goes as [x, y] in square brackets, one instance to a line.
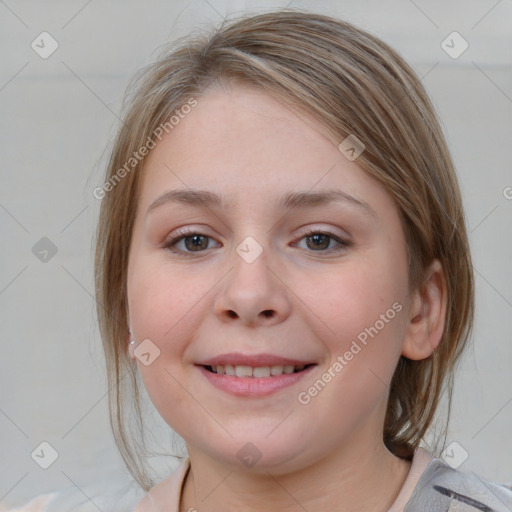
[255, 360]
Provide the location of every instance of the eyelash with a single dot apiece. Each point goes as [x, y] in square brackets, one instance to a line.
[182, 234]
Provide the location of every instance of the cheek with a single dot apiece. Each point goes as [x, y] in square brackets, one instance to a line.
[161, 302]
[161, 299]
[362, 308]
[353, 297]
[166, 306]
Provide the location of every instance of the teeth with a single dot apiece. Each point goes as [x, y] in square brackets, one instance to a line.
[243, 371]
[276, 370]
[263, 371]
[258, 372]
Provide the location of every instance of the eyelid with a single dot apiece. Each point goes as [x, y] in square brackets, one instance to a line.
[327, 230]
[303, 231]
[181, 233]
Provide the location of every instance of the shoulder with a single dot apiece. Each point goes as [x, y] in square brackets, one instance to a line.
[166, 494]
[443, 488]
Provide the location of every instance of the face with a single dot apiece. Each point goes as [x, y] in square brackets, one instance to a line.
[305, 301]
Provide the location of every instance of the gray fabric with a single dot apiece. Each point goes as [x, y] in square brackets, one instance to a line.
[444, 489]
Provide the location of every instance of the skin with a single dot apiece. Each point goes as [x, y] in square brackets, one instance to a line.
[327, 454]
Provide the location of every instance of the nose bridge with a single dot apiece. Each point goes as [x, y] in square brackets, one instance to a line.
[252, 292]
[251, 275]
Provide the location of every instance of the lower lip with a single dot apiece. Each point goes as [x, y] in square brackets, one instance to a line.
[253, 386]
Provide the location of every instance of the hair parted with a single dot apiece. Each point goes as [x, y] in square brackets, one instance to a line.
[354, 84]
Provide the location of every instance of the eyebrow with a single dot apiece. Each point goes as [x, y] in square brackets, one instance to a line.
[300, 199]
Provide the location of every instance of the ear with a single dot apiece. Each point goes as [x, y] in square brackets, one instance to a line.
[427, 315]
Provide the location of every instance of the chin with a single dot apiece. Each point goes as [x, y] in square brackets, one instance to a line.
[261, 455]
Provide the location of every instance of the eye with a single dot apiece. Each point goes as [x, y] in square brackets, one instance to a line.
[320, 240]
[194, 242]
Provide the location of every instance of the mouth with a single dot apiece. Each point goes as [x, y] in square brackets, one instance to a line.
[258, 372]
[253, 376]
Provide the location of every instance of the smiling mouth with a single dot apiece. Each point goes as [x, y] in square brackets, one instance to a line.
[256, 371]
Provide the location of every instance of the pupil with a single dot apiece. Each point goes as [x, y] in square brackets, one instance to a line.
[316, 237]
[196, 242]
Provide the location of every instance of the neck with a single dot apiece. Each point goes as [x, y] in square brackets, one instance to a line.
[350, 480]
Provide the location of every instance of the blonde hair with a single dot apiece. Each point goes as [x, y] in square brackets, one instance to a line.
[354, 84]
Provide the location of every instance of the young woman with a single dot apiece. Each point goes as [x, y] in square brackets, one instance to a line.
[282, 258]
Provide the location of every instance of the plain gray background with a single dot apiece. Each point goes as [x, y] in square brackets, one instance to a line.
[60, 113]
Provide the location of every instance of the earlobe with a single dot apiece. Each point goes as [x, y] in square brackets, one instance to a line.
[131, 345]
[131, 348]
[427, 315]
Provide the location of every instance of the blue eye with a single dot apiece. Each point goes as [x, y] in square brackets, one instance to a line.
[195, 242]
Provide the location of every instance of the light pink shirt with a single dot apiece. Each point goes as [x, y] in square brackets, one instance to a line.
[165, 496]
[420, 461]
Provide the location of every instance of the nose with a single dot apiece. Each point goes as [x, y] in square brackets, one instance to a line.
[253, 293]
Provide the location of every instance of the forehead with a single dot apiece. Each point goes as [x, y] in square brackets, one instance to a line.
[250, 147]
